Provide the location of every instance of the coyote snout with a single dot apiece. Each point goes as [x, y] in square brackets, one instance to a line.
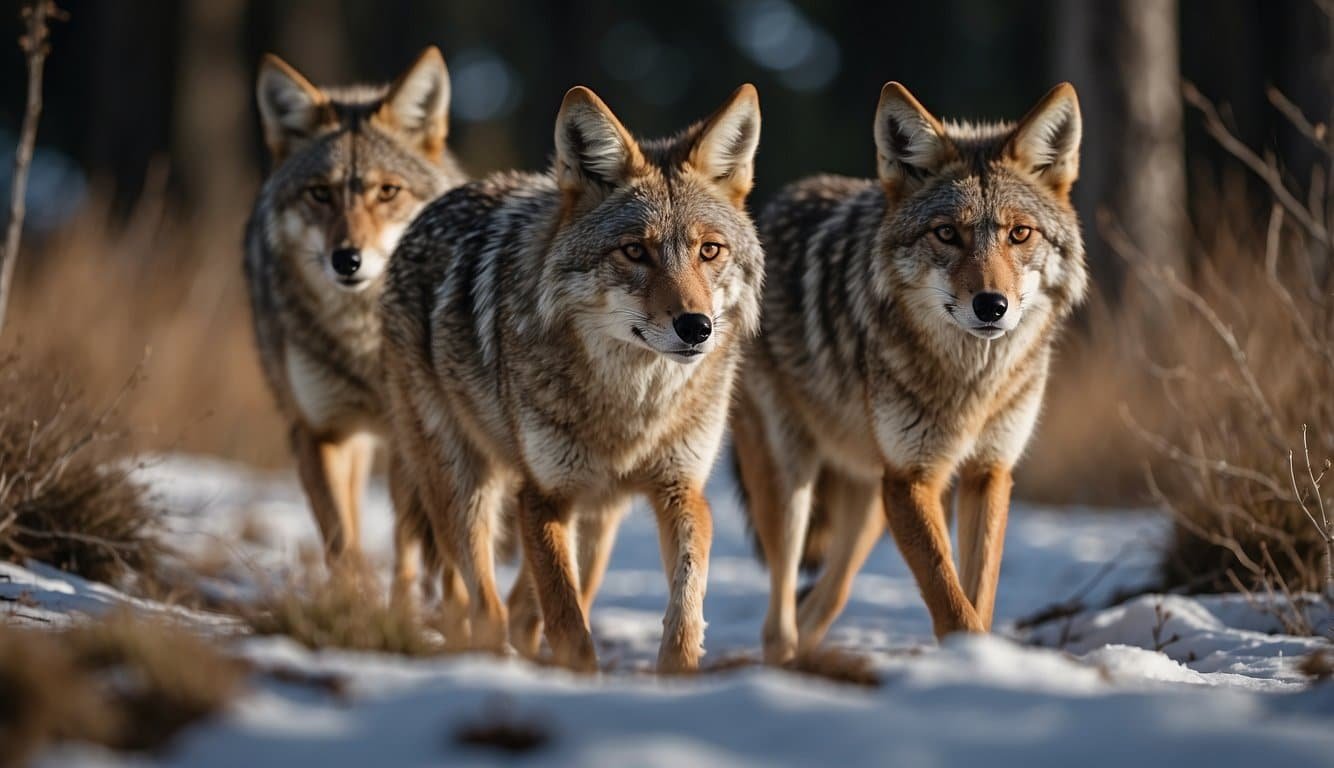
[985, 287]
[669, 299]
[351, 228]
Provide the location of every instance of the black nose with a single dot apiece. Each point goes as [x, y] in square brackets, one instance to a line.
[693, 328]
[990, 307]
[346, 261]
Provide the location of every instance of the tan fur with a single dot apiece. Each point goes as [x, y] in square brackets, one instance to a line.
[351, 167]
[882, 371]
[984, 500]
[574, 386]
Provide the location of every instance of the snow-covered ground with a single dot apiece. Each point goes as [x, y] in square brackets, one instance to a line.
[1158, 680]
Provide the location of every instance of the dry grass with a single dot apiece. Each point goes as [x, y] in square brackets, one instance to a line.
[347, 610]
[1082, 451]
[1251, 367]
[122, 682]
[89, 300]
[67, 497]
[1199, 391]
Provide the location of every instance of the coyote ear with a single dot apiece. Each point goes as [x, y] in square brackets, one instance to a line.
[592, 147]
[910, 143]
[1046, 142]
[418, 102]
[725, 149]
[291, 109]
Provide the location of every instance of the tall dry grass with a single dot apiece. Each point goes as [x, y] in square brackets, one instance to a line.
[1206, 393]
[92, 299]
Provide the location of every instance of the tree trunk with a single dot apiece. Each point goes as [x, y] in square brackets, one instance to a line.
[1123, 57]
[211, 155]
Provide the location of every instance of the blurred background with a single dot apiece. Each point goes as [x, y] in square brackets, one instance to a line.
[149, 155]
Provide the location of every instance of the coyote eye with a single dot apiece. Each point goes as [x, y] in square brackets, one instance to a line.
[634, 252]
[320, 194]
[946, 234]
[388, 192]
[1020, 233]
[711, 251]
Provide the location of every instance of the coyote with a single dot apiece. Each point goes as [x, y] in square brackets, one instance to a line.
[351, 167]
[908, 327]
[572, 338]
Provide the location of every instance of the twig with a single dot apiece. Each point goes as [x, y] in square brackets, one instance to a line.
[1322, 525]
[35, 14]
[1317, 134]
[1201, 463]
[1266, 172]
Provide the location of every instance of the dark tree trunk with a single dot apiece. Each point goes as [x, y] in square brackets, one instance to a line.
[211, 126]
[1123, 57]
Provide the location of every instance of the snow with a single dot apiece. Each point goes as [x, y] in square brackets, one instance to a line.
[1159, 679]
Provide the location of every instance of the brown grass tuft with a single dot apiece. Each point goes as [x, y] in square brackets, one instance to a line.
[348, 610]
[1317, 665]
[67, 497]
[45, 697]
[123, 682]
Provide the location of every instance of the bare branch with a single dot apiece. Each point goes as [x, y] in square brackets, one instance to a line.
[36, 14]
[1318, 134]
[1266, 172]
[1175, 453]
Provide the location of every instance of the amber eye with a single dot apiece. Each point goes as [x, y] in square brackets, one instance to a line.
[388, 192]
[320, 194]
[946, 234]
[1020, 233]
[711, 251]
[635, 252]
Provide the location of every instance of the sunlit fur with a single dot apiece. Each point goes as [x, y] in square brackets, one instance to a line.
[524, 349]
[318, 333]
[874, 381]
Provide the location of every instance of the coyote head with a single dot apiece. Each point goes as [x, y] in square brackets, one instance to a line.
[654, 247]
[979, 229]
[352, 166]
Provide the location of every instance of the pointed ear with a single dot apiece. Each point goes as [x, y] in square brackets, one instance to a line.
[417, 103]
[725, 148]
[592, 147]
[910, 142]
[291, 110]
[1046, 142]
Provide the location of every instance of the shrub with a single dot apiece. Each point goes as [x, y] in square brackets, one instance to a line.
[67, 494]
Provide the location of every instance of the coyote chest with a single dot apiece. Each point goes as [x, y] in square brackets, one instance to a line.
[331, 358]
[983, 406]
[328, 400]
[616, 419]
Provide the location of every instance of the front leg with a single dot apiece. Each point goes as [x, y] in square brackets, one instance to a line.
[325, 467]
[545, 524]
[984, 507]
[856, 523]
[917, 520]
[596, 529]
[685, 530]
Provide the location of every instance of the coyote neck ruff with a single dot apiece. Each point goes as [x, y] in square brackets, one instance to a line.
[907, 331]
[576, 334]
